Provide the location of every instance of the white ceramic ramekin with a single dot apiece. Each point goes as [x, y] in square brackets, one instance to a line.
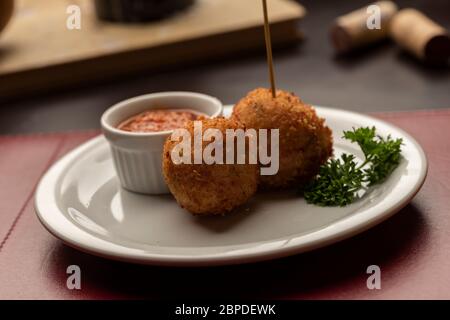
[138, 156]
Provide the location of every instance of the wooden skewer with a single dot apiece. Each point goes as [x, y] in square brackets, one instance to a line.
[269, 49]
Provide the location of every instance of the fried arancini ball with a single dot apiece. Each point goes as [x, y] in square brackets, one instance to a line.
[209, 189]
[305, 142]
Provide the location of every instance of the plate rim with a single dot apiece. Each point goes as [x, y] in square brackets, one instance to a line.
[45, 213]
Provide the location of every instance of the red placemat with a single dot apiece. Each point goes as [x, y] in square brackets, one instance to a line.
[411, 248]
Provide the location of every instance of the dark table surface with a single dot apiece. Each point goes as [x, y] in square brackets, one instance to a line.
[380, 79]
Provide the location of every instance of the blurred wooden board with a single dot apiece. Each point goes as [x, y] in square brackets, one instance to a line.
[38, 52]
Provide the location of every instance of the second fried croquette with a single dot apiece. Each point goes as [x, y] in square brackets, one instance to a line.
[204, 189]
[305, 142]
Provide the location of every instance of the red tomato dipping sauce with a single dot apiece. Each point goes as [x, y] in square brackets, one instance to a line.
[159, 120]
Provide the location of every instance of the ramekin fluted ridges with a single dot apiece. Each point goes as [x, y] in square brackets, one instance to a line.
[138, 156]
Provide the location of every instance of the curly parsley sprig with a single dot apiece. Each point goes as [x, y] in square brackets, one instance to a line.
[340, 180]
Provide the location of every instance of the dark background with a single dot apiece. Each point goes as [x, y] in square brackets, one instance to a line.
[380, 79]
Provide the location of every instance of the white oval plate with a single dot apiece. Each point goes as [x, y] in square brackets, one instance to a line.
[80, 202]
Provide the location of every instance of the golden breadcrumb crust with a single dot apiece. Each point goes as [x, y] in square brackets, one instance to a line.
[209, 189]
[305, 142]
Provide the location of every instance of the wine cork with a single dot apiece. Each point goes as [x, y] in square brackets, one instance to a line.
[352, 31]
[6, 11]
[421, 36]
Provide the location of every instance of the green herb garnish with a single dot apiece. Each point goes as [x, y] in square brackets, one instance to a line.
[340, 180]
